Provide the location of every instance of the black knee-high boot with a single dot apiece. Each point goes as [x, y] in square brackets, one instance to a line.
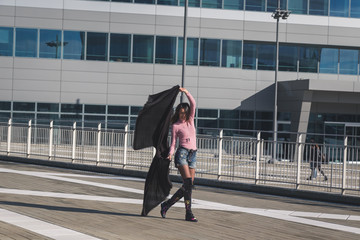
[167, 204]
[187, 197]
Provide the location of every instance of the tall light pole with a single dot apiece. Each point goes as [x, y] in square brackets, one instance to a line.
[184, 49]
[284, 14]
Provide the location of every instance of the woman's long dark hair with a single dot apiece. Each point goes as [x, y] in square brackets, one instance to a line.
[186, 107]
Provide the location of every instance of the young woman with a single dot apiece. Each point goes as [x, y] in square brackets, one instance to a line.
[183, 128]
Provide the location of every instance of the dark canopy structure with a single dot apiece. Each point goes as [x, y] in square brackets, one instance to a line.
[152, 129]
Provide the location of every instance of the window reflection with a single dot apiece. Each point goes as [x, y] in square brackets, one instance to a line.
[50, 44]
[319, 7]
[97, 46]
[75, 45]
[355, 9]
[120, 47]
[266, 56]
[255, 5]
[6, 41]
[145, 1]
[167, 2]
[308, 59]
[209, 52]
[339, 8]
[288, 56]
[249, 56]
[165, 50]
[234, 4]
[211, 3]
[349, 61]
[272, 5]
[143, 49]
[192, 51]
[231, 54]
[329, 60]
[26, 42]
[298, 6]
[191, 3]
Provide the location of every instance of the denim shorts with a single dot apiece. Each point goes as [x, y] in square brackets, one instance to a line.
[184, 156]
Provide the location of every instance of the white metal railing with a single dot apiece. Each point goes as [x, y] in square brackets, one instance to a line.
[246, 159]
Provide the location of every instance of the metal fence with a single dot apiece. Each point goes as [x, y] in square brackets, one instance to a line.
[247, 159]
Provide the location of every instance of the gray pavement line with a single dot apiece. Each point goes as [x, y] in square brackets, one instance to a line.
[40, 227]
[208, 205]
[197, 204]
[49, 176]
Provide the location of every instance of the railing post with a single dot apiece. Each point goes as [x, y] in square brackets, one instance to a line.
[258, 148]
[9, 137]
[29, 140]
[51, 134]
[343, 188]
[298, 159]
[125, 144]
[220, 152]
[98, 144]
[73, 142]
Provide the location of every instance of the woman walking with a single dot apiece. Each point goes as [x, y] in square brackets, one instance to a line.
[183, 128]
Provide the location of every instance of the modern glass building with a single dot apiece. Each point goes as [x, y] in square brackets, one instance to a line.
[97, 62]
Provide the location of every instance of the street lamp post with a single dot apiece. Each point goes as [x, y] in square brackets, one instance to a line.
[184, 49]
[284, 14]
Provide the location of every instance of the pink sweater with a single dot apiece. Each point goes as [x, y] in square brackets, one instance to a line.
[185, 130]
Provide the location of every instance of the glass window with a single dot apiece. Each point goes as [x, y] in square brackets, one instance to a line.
[26, 42]
[165, 50]
[209, 52]
[229, 124]
[308, 59]
[121, 0]
[355, 9]
[74, 45]
[339, 8]
[167, 2]
[255, 5]
[118, 110]
[93, 121]
[211, 3]
[209, 113]
[120, 47]
[46, 118]
[6, 41]
[4, 116]
[47, 107]
[319, 7]
[266, 56]
[298, 6]
[97, 46]
[135, 110]
[145, 1]
[192, 51]
[272, 5]
[207, 123]
[288, 56]
[94, 108]
[232, 114]
[234, 4]
[23, 117]
[5, 105]
[50, 43]
[23, 106]
[247, 114]
[249, 56]
[349, 61]
[191, 3]
[329, 58]
[247, 124]
[71, 108]
[117, 122]
[231, 53]
[143, 49]
[264, 115]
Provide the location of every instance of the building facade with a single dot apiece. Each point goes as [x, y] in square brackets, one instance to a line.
[97, 62]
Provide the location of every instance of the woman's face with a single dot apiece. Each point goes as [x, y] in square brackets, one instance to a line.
[182, 114]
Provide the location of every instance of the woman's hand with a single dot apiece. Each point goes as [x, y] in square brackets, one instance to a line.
[169, 157]
[184, 90]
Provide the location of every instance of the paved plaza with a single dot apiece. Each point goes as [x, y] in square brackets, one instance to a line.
[38, 202]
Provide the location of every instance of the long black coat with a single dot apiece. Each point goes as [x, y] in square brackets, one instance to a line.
[152, 129]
